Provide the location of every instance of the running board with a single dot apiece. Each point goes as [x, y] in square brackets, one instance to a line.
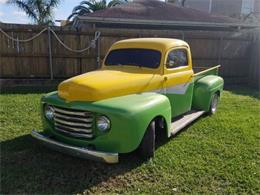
[185, 120]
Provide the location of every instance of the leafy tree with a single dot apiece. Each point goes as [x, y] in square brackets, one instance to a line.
[40, 11]
[91, 6]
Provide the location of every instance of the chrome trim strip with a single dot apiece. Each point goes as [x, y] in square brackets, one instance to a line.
[75, 124]
[204, 71]
[73, 128]
[76, 151]
[177, 89]
[74, 134]
[73, 118]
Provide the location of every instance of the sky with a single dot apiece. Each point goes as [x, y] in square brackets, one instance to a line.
[11, 14]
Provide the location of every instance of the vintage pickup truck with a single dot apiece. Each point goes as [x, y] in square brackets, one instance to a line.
[145, 88]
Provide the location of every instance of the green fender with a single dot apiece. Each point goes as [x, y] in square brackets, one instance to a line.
[130, 116]
[204, 88]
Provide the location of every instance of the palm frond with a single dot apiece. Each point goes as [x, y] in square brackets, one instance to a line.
[52, 4]
[89, 4]
[72, 15]
[98, 6]
[92, 6]
[115, 3]
[27, 8]
[80, 7]
[41, 11]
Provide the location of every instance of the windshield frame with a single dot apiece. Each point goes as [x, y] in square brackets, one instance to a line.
[133, 65]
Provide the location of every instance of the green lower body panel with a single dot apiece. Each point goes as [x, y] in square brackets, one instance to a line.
[181, 102]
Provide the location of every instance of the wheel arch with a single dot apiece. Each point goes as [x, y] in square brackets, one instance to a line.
[159, 112]
[161, 132]
[132, 119]
[204, 88]
[161, 127]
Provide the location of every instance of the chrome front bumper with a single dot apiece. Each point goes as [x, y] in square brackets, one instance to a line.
[75, 151]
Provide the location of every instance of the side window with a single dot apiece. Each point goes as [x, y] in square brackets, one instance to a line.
[176, 58]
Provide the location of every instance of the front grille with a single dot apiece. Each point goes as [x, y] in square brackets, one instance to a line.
[74, 123]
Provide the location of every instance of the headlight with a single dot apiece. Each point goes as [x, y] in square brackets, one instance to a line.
[103, 123]
[49, 112]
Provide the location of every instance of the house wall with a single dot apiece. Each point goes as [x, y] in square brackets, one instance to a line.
[257, 9]
[202, 5]
[226, 7]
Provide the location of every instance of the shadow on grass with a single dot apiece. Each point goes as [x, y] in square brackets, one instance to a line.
[28, 167]
[163, 140]
[28, 89]
[245, 91]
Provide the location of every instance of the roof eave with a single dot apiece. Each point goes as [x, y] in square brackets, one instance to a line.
[164, 22]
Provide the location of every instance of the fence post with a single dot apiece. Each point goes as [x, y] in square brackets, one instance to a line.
[220, 48]
[98, 52]
[254, 68]
[79, 59]
[50, 53]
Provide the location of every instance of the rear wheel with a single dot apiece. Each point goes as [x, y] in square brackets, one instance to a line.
[147, 146]
[214, 104]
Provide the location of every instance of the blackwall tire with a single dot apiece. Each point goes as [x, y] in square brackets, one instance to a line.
[147, 146]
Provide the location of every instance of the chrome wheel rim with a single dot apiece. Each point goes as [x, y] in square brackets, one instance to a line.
[214, 104]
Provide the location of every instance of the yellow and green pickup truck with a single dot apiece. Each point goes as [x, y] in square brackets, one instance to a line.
[145, 88]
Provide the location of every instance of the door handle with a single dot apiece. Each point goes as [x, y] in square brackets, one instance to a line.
[165, 78]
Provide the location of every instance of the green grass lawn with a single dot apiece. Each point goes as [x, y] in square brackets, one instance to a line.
[218, 154]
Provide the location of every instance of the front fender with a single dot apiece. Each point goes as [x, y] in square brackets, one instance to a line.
[130, 116]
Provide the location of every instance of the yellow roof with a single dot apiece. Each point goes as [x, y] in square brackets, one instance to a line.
[153, 43]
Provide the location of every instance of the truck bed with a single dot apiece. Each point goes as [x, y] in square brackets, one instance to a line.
[200, 72]
[187, 118]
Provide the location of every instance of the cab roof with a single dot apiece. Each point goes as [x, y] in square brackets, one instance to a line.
[161, 44]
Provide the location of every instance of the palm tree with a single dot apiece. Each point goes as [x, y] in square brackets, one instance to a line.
[40, 11]
[91, 6]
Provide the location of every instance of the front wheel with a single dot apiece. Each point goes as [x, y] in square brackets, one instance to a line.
[147, 146]
[214, 104]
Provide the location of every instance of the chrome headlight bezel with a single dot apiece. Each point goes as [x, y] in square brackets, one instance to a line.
[103, 123]
[49, 112]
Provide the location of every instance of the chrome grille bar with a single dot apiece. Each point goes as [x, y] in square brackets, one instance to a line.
[62, 116]
[73, 128]
[75, 134]
[75, 123]
[71, 112]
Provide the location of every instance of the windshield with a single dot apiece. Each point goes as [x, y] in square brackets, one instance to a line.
[134, 57]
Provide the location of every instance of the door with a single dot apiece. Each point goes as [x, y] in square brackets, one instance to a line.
[178, 81]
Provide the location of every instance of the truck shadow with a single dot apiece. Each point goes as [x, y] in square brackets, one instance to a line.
[47, 172]
[244, 91]
[163, 140]
[27, 89]
[40, 170]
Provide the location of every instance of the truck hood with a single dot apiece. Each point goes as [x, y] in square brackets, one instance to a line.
[103, 84]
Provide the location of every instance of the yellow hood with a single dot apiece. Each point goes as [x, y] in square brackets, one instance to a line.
[103, 84]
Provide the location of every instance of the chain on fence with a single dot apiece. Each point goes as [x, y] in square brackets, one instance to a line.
[92, 44]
